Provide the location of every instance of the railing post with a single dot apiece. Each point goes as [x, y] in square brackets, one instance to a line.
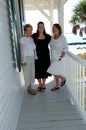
[76, 81]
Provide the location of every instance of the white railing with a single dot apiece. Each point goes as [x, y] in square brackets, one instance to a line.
[76, 80]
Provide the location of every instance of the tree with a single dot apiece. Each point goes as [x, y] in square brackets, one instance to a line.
[79, 17]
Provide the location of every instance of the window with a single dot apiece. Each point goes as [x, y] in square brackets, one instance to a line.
[16, 21]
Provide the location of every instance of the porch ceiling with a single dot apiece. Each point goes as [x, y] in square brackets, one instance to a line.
[44, 4]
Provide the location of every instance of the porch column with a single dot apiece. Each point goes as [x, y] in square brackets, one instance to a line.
[61, 13]
[51, 14]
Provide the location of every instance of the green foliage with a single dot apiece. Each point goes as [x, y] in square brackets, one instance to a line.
[82, 55]
[79, 13]
[79, 17]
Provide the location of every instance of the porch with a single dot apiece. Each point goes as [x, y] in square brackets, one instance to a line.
[64, 109]
[49, 111]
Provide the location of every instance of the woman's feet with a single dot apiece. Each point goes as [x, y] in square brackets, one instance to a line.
[31, 91]
[40, 88]
[63, 82]
[55, 88]
[43, 87]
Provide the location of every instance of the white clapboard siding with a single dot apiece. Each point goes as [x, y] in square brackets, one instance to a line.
[11, 82]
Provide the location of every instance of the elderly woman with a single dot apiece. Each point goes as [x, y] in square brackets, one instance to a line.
[27, 50]
[58, 46]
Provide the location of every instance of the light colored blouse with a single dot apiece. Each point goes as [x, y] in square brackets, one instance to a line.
[57, 46]
[28, 48]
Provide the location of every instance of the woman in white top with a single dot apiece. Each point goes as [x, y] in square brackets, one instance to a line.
[58, 46]
[27, 50]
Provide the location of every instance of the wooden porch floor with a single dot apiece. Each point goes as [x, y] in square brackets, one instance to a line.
[49, 111]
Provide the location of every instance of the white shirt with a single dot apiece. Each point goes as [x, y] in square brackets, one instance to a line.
[28, 47]
[57, 46]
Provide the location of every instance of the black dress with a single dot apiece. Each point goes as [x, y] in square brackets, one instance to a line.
[43, 54]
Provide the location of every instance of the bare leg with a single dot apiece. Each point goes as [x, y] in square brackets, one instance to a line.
[43, 82]
[62, 78]
[40, 82]
[57, 81]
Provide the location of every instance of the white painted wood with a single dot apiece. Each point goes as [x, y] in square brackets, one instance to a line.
[76, 80]
[61, 14]
[45, 4]
[49, 111]
[51, 14]
[11, 82]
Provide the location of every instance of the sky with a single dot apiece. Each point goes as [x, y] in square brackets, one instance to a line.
[33, 17]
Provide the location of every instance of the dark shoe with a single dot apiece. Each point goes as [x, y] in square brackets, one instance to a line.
[43, 87]
[39, 88]
[63, 82]
[55, 88]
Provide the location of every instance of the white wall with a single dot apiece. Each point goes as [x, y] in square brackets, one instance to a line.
[11, 87]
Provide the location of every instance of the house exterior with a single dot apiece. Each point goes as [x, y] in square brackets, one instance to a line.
[11, 77]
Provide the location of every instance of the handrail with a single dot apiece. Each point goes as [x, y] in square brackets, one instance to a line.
[76, 81]
[77, 58]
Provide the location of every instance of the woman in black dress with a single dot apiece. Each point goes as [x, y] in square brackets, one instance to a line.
[41, 39]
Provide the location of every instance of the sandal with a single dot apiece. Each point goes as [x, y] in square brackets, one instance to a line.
[39, 88]
[63, 83]
[43, 87]
[55, 88]
[31, 91]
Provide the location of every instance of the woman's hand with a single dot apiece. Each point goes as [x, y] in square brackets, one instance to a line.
[62, 54]
[24, 64]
